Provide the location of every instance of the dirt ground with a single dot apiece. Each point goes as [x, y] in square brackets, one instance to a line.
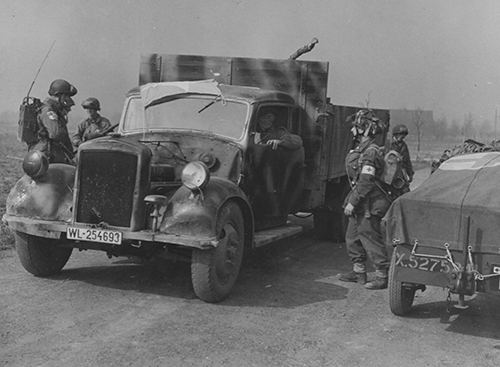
[287, 309]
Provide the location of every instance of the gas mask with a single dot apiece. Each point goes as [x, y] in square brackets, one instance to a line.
[66, 102]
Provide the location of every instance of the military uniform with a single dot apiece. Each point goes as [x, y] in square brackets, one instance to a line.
[364, 237]
[53, 135]
[90, 129]
[288, 140]
[402, 148]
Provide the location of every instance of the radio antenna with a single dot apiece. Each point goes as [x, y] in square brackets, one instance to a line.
[40, 68]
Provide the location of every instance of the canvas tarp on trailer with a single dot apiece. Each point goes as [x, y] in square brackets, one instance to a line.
[463, 186]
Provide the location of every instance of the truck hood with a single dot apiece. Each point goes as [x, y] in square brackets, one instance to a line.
[175, 149]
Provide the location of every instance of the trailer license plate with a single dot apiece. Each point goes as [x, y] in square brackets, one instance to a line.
[407, 260]
[94, 235]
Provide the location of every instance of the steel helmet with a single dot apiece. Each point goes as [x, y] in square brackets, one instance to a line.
[61, 86]
[35, 164]
[400, 130]
[366, 123]
[91, 103]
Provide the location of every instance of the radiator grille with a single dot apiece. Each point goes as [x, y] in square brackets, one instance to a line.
[106, 190]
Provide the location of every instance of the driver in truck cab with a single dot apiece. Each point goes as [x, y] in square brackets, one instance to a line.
[270, 133]
[276, 136]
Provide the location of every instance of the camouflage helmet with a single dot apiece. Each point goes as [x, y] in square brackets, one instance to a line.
[400, 130]
[366, 123]
[91, 103]
[61, 86]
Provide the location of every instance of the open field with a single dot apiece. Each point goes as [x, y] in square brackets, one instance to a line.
[10, 171]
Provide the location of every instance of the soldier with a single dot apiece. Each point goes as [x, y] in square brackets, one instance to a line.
[366, 204]
[53, 137]
[399, 133]
[276, 135]
[92, 127]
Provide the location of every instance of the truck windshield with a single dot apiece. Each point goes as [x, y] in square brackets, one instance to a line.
[202, 113]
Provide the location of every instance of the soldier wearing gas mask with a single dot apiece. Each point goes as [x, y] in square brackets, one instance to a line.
[366, 203]
[53, 136]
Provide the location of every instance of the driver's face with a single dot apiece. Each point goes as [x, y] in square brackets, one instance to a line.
[266, 121]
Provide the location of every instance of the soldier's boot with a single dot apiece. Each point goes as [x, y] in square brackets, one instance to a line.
[377, 283]
[354, 277]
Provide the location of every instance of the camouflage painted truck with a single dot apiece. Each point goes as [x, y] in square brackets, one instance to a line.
[182, 174]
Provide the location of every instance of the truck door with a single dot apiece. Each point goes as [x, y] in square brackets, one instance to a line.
[276, 168]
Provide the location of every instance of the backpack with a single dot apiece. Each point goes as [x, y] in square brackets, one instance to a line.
[394, 175]
[27, 131]
[393, 179]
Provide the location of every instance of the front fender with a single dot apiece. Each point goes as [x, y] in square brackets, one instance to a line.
[195, 213]
[49, 197]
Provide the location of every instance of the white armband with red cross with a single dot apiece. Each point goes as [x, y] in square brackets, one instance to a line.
[368, 170]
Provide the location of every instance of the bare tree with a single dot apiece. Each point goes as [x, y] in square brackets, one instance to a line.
[366, 103]
[417, 118]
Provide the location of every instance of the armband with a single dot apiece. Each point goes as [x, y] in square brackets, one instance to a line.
[368, 170]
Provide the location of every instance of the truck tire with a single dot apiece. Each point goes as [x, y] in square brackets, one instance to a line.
[41, 256]
[400, 296]
[214, 271]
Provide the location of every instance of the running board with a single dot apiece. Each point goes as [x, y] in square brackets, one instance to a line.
[267, 236]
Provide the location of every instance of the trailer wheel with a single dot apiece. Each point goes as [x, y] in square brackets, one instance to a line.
[214, 271]
[41, 256]
[400, 296]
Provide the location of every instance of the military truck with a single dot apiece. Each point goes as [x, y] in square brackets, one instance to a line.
[183, 175]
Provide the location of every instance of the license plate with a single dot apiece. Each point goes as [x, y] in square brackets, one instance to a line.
[94, 235]
[407, 260]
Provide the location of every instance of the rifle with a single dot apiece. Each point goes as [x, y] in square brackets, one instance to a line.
[111, 128]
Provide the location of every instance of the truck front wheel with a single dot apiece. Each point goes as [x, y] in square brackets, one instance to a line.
[41, 256]
[214, 271]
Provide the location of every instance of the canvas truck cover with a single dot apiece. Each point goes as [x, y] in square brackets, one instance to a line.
[434, 214]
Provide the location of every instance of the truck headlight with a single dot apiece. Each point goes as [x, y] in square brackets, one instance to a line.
[35, 164]
[195, 175]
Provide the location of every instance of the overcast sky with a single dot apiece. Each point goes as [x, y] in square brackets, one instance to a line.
[441, 55]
